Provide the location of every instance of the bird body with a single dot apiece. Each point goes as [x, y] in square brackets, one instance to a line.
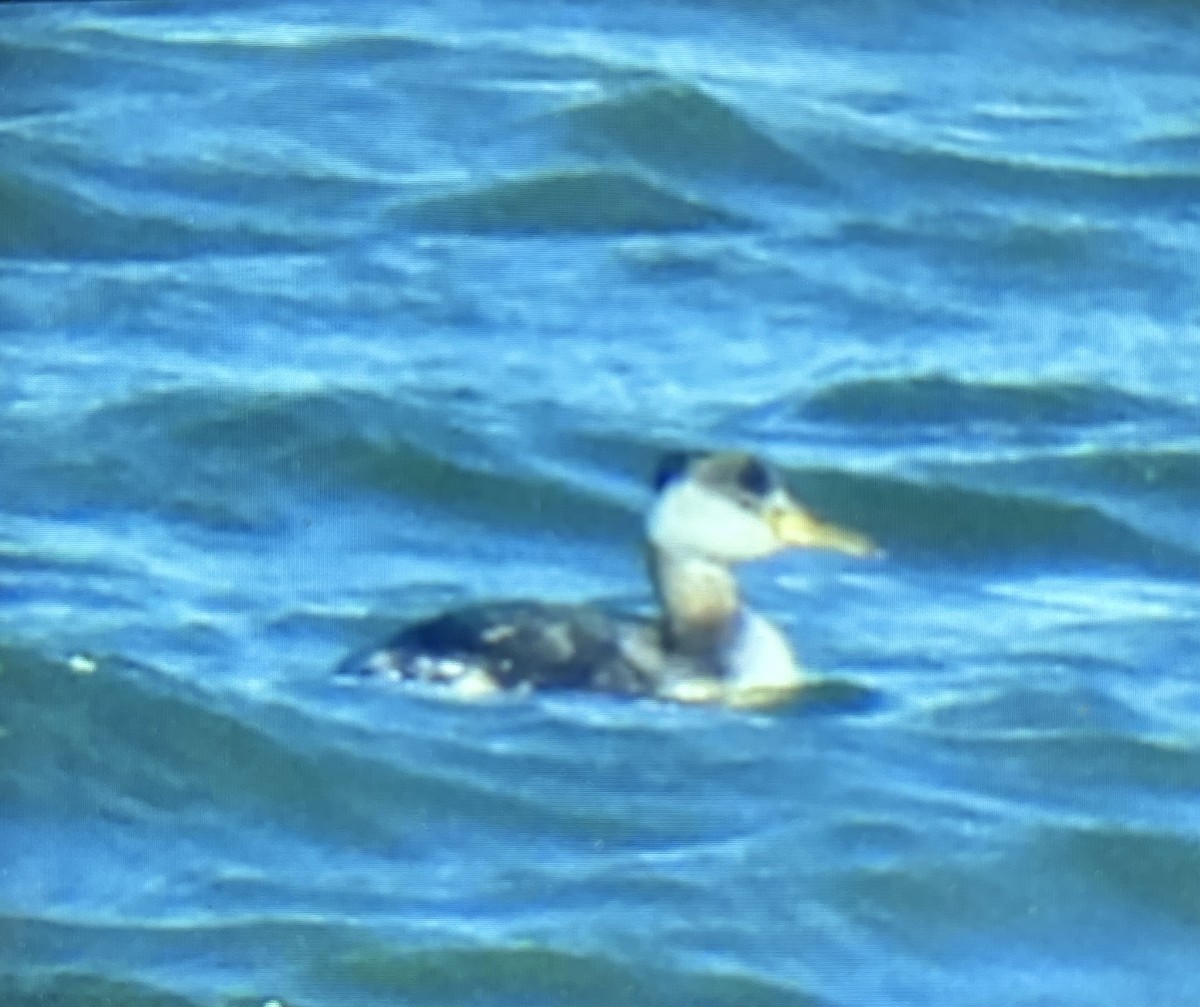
[711, 512]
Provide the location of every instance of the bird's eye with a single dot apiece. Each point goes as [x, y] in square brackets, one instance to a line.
[755, 478]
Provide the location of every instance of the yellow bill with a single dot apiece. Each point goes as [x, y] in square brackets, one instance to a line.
[794, 526]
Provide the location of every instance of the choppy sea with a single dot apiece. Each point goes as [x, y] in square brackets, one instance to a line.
[315, 318]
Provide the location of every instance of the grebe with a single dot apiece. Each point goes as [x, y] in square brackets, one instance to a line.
[711, 512]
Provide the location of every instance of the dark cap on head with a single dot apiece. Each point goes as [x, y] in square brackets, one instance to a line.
[729, 472]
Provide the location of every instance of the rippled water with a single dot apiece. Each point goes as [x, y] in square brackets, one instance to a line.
[317, 320]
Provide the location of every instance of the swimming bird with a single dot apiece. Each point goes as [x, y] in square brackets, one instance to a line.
[710, 512]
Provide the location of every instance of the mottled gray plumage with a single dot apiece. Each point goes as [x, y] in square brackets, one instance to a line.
[525, 644]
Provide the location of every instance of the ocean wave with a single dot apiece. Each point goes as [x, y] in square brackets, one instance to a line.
[944, 521]
[302, 958]
[1092, 756]
[45, 219]
[243, 460]
[1168, 472]
[940, 400]
[1153, 869]
[680, 129]
[1038, 252]
[927, 166]
[107, 962]
[529, 972]
[76, 986]
[231, 458]
[579, 201]
[123, 742]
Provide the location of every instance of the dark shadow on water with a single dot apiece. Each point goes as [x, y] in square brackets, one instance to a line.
[839, 696]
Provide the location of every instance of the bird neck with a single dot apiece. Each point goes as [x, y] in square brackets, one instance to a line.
[704, 622]
[700, 604]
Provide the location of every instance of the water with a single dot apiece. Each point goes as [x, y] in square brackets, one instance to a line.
[318, 320]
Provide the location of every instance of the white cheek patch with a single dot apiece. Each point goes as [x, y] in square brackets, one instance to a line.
[690, 519]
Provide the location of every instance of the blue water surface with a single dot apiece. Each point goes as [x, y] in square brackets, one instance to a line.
[318, 318]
